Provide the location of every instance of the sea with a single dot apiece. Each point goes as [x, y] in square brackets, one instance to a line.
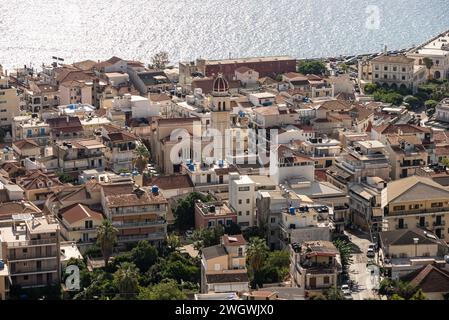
[34, 31]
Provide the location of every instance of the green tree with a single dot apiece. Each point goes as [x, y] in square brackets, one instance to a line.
[144, 255]
[431, 104]
[173, 242]
[106, 239]
[184, 210]
[346, 252]
[280, 261]
[66, 178]
[207, 237]
[413, 102]
[311, 67]
[256, 253]
[334, 294]
[142, 158]
[167, 290]
[344, 67]
[160, 60]
[126, 279]
[429, 64]
[419, 295]
[233, 229]
[370, 88]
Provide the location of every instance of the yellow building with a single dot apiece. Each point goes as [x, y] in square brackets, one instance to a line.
[417, 202]
[9, 103]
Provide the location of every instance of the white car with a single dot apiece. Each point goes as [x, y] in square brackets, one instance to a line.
[346, 292]
[372, 246]
[370, 253]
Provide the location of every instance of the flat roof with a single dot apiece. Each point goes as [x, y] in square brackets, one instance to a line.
[249, 60]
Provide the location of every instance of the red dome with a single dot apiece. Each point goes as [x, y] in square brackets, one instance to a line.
[220, 84]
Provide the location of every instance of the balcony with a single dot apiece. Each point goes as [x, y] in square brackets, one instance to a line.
[422, 225]
[439, 224]
[33, 243]
[404, 226]
[26, 257]
[140, 224]
[417, 211]
[138, 212]
[30, 271]
[138, 237]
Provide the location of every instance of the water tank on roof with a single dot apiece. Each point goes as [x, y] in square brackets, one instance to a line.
[191, 167]
[155, 189]
[2, 265]
[292, 211]
[221, 163]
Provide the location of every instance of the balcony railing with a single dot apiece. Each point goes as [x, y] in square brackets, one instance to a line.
[137, 237]
[439, 224]
[140, 224]
[415, 211]
[29, 243]
[25, 271]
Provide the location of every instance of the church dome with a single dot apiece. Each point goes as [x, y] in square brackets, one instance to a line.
[220, 84]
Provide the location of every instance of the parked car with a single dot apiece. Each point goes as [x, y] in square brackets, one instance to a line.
[372, 246]
[189, 234]
[370, 253]
[346, 292]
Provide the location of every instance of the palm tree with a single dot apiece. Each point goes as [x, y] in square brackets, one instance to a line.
[256, 255]
[126, 279]
[429, 64]
[346, 252]
[143, 156]
[107, 236]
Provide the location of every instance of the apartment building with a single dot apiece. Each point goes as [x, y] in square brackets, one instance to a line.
[315, 266]
[24, 149]
[223, 267]
[29, 127]
[65, 128]
[303, 223]
[38, 185]
[138, 213]
[41, 96]
[79, 223]
[417, 202]
[78, 155]
[406, 250]
[120, 148]
[323, 151]
[407, 155]
[31, 249]
[442, 111]
[367, 201]
[360, 160]
[9, 103]
[212, 214]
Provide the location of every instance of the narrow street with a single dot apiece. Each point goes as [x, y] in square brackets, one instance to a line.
[358, 271]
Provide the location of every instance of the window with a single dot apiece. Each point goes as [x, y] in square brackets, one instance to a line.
[403, 70]
[25, 277]
[436, 205]
[88, 224]
[326, 280]
[386, 68]
[240, 201]
[240, 251]
[247, 200]
[240, 213]
[273, 220]
[395, 68]
[228, 222]
[398, 208]
[247, 213]
[376, 76]
[25, 250]
[244, 189]
[403, 78]
[385, 76]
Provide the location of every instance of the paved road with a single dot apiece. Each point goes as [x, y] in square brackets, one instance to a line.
[358, 271]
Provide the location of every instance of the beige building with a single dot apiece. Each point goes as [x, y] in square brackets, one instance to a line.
[223, 267]
[395, 72]
[38, 185]
[31, 249]
[79, 223]
[406, 250]
[407, 155]
[417, 202]
[4, 281]
[315, 266]
[138, 214]
[9, 103]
